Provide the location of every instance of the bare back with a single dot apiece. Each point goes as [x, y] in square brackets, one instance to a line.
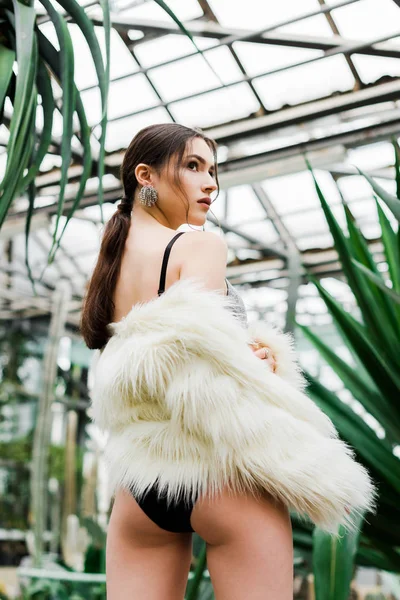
[141, 264]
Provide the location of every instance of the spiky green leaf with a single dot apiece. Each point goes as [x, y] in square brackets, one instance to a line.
[378, 282]
[68, 104]
[378, 362]
[53, 60]
[358, 386]
[7, 58]
[85, 24]
[362, 292]
[391, 201]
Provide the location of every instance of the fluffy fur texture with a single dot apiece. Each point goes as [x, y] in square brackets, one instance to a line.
[187, 404]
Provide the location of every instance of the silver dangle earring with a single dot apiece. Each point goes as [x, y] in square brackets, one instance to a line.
[148, 195]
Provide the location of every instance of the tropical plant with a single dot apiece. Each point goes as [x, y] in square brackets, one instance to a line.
[44, 589]
[373, 378]
[38, 60]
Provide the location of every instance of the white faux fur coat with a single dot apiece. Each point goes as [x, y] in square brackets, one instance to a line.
[187, 403]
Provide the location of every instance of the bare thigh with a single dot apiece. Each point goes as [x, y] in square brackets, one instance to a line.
[144, 561]
[249, 546]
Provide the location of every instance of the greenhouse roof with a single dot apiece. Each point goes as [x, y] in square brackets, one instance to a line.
[275, 81]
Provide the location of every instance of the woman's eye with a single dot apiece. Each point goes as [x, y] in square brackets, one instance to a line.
[196, 165]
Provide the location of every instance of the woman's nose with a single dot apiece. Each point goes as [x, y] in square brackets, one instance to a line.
[210, 185]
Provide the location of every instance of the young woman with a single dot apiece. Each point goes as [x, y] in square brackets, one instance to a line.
[157, 383]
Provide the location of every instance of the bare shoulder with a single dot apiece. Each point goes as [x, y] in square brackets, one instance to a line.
[195, 240]
[203, 254]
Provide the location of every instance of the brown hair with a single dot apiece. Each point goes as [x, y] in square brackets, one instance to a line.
[155, 146]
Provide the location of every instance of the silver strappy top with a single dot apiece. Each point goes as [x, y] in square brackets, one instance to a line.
[239, 309]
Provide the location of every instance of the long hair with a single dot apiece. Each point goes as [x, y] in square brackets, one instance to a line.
[155, 146]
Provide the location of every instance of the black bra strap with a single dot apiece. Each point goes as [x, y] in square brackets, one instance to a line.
[165, 262]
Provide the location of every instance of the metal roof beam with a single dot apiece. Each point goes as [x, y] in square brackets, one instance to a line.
[306, 112]
[379, 131]
[228, 36]
[273, 216]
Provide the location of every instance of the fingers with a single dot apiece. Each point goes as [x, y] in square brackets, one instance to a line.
[260, 353]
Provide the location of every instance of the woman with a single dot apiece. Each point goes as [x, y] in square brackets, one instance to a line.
[204, 436]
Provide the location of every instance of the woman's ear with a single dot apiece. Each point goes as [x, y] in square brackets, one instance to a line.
[143, 174]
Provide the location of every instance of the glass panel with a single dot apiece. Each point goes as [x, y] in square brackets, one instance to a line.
[126, 95]
[184, 10]
[121, 132]
[264, 231]
[317, 26]
[192, 75]
[304, 83]
[243, 206]
[368, 20]
[168, 47]
[217, 107]
[259, 58]
[296, 192]
[259, 14]
[372, 68]
[371, 156]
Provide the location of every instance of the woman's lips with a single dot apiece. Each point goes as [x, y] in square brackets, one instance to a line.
[204, 203]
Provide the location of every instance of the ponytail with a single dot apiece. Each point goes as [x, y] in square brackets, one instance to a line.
[98, 306]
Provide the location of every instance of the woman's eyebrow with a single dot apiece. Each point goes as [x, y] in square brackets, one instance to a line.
[201, 159]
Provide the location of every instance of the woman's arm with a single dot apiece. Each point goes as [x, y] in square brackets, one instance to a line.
[203, 256]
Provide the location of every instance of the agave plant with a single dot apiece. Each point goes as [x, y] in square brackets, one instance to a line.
[373, 379]
[38, 61]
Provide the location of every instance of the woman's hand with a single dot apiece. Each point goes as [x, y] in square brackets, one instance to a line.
[264, 353]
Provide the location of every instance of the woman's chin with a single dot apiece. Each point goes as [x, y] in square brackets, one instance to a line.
[197, 220]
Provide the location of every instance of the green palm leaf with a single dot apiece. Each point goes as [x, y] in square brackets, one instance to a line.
[51, 55]
[24, 21]
[68, 104]
[23, 103]
[375, 346]
[361, 290]
[376, 454]
[102, 153]
[7, 58]
[385, 314]
[193, 588]
[333, 562]
[391, 247]
[391, 244]
[24, 36]
[391, 201]
[380, 366]
[31, 198]
[361, 388]
[86, 26]
[44, 88]
[367, 554]
[378, 282]
[397, 165]
[23, 148]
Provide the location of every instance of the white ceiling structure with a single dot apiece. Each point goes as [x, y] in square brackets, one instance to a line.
[320, 77]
